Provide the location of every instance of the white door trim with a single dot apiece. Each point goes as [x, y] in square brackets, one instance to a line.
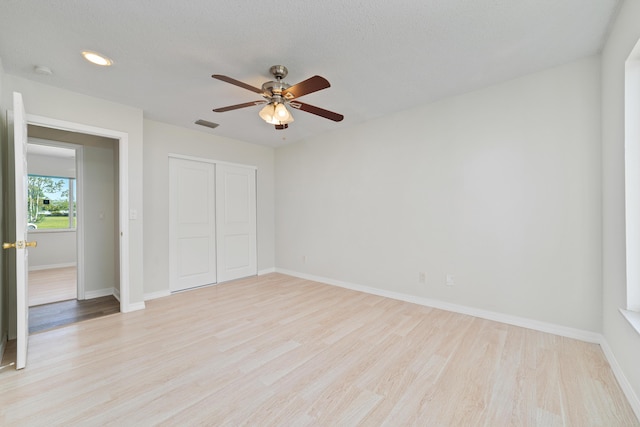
[205, 160]
[80, 220]
[123, 191]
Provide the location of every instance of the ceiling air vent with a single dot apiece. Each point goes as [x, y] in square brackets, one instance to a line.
[207, 124]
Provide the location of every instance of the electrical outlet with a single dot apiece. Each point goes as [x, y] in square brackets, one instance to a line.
[449, 280]
[422, 277]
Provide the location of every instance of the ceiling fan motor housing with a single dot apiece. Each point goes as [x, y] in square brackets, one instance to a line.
[271, 89]
[279, 71]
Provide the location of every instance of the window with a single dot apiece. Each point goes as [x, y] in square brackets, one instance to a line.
[632, 185]
[51, 203]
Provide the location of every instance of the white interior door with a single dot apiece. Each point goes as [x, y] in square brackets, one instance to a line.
[236, 222]
[21, 244]
[192, 240]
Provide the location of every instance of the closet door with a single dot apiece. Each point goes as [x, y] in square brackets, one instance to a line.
[192, 229]
[236, 222]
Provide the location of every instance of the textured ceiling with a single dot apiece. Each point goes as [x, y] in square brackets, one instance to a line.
[380, 56]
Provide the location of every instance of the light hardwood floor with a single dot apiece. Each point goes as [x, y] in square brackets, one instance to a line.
[52, 285]
[53, 303]
[277, 350]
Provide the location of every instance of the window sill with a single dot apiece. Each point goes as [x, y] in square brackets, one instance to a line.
[633, 317]
[52, 230]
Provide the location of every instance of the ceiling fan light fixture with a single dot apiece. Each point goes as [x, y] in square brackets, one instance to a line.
[267, 113]
[275, 113]
[282, 114]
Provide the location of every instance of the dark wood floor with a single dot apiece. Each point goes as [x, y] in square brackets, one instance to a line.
[50, 316]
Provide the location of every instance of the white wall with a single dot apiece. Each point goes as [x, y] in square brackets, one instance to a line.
[623, 340]
[500, 187]
[159, 141]
[51, 102]
[55, 249]
[99, 218]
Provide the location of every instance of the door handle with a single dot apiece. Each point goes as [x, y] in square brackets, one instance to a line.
[20, 244]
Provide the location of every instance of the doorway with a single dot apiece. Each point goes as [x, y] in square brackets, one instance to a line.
[51, 218]
[68, 203]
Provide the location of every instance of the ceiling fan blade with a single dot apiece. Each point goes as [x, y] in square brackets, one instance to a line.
[237, 83]
[237, 106]
[317, 111]
[312, 84]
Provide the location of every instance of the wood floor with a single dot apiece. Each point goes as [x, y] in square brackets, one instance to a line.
[53, 303]
[52, 285]
[277, 350]
[53, 315]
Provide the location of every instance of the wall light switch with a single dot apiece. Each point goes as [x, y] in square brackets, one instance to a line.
[449, 280]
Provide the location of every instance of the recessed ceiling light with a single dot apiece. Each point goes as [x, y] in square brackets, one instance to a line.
[97, 58]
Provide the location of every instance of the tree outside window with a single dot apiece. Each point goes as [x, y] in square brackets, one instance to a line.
[51, 202]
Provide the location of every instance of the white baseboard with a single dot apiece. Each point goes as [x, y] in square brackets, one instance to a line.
[633, 399]
[154, 295]
[50, 266]
[98, 293]
[551, 328]
[129, 307]
[134, 307]
[266, 271]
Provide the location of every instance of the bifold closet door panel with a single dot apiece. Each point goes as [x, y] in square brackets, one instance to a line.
[236, 222]
[192, 229]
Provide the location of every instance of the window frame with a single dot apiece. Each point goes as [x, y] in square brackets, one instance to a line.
[631, 311]
[72, 202]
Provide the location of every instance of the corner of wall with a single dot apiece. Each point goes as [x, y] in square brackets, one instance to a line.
[618, 372]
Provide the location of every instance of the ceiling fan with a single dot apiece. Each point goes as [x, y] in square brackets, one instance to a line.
[278, 94]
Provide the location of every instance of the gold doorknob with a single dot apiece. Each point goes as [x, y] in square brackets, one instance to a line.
[20, 244]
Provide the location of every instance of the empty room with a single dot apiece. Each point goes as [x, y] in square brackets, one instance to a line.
[320, 213]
